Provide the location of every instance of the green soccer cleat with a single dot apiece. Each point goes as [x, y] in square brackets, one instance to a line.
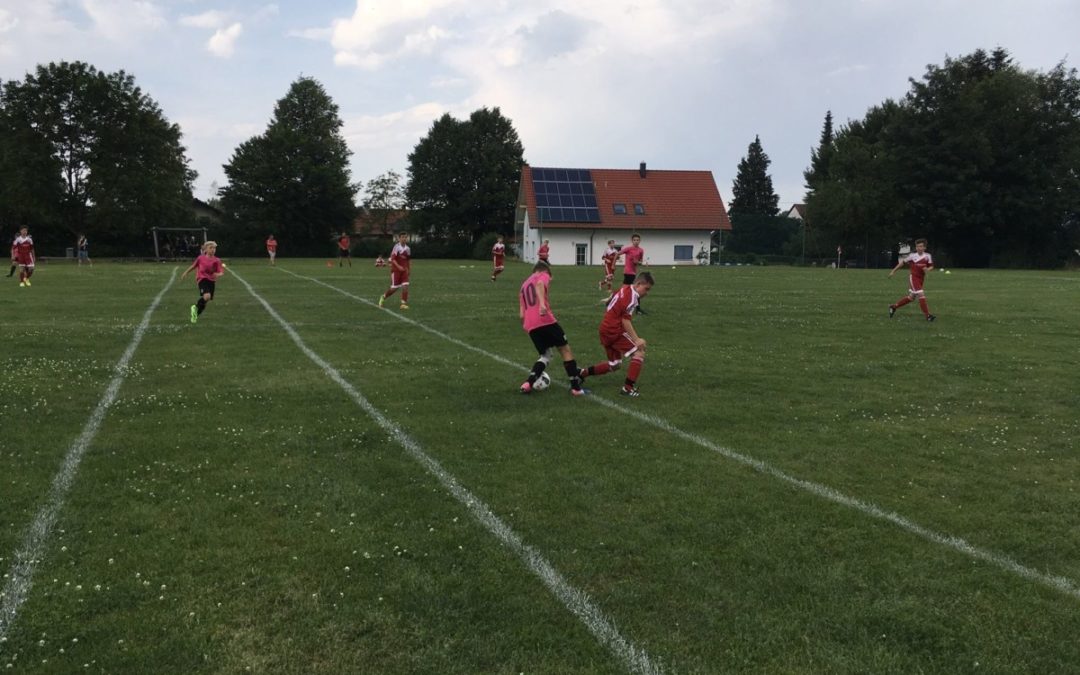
[194, 314]
[381, 298]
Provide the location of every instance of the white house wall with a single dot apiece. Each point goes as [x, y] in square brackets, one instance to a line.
[659, 245]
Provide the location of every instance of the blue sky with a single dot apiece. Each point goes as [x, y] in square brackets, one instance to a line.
[600, 83]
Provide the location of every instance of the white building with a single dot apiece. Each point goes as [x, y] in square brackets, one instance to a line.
[578, 210]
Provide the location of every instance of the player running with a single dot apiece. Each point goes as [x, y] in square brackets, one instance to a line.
[918, 263]
[22, 256]
[611, 254]
[618, 336]
[271, 249]
[208, 269]
[497, 253]
[538, 320]
[400, 263]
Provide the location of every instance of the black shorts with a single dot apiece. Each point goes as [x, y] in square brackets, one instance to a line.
[343, 253]
[206, 286]
[546, 337]
[628, 279]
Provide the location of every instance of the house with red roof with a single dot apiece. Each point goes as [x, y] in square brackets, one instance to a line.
[578, 210]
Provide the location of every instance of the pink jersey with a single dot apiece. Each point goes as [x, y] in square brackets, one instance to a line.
[529, 302]
[207, 267]
[633, 255]
[22, 250]
[402, 255]
[621, 306]
[917, 264]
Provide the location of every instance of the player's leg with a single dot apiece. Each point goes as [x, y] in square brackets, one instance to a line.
[541, 362]
[571, 367]
[405, 292]
[636, 355]
[924, 307]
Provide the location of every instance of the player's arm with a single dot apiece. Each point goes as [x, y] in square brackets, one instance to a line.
[541, 298]
[628, 326]
[184, 274]
[899, 264]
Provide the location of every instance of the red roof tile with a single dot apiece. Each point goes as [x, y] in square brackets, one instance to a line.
[672, 200]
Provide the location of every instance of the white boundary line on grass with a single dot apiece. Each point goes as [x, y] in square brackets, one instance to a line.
[1058, 583]
[575, 600]
[21, 575]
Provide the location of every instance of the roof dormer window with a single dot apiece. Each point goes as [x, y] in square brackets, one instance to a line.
[639, 209]
[620, 209]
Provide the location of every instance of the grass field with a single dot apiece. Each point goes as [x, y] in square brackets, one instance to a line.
[303, 482]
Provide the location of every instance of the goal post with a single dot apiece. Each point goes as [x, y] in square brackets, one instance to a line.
[198, 231]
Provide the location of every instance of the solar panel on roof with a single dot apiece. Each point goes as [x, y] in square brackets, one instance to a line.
[565, 195]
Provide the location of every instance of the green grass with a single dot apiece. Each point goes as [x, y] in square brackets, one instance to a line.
[238, 510]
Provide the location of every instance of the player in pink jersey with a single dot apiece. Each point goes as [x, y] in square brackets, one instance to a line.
[22, 255]
[400, 264]
[538, 320]
[633, 258]
[208, 269]
[919, 263]
[610, 255]
[618, 336]
[498, 251]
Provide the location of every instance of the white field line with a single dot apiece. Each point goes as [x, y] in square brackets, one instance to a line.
[575, 600]
[21, 575]
[1058, 583]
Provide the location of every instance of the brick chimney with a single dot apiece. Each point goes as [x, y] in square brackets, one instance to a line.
[641, 170]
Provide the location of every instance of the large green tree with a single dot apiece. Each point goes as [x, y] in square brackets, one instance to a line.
[293, 179]
[88, 151]
[463, 176]
[753, 193]
[821, 156]
[981, 157]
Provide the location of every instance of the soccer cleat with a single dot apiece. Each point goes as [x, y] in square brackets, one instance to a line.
[632, 392]
[27, 282]
[403, 306]
[580, 392]
[526, 387]
[892, 310]
[22, 284]
[194, 314]
[930, 318]
[381, 298]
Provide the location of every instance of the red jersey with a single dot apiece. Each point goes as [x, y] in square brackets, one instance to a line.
[207, 267]
[917, 264]
[343, 243]
[543, 253]
[529, 302]
[22, 250]
[497, 251]
[609, 257]
[271, 245]
[402, 255]
[621, 306]
[633, 255]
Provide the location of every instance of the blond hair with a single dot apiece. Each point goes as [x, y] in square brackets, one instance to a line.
[208, 244]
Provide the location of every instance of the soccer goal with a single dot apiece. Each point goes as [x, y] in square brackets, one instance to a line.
[171, 243]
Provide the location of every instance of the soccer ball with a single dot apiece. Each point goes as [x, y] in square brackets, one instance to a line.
[542, 382]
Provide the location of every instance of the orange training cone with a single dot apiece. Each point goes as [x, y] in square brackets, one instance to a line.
[329, 263]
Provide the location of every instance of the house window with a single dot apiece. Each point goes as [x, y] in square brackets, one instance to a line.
[684, 253]
[639, 209]
[620, 209]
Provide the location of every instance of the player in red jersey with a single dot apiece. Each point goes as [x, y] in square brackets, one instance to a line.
[400, 264]
[538, 320]
[611, 254]
[545, 249]
[344, 249]
[22, 255]
[919, 263]
[618, 336]
[208, 269]
[497, 253]
[271, 249]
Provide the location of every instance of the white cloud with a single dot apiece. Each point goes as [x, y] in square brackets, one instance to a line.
[223, 42]
[266, 12]
[8, 21]
[210, 19]
[401, 128]
[123, 21]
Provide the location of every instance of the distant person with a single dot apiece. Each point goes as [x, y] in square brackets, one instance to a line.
[538, 320]
[618, 337]
[344, 249]
[83, 247]
[497, 253]
[919, 263]
[208, 269]
[633, 258]
[22, 256]
[380, 262]
[271, 249]
[611, 254]
[545, 248]
[400, 264]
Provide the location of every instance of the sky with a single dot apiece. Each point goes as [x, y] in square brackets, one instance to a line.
[678, 84]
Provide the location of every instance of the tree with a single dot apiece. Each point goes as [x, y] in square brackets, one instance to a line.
[752, 192]
[120, 163]
[384, 195]
[293, 179]
[820, 157]
[463, 176]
